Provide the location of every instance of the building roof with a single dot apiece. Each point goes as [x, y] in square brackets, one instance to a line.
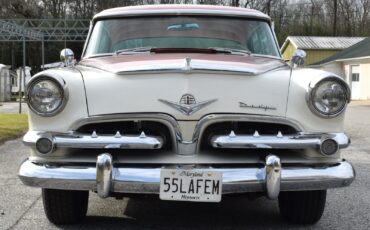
[358, 50]
[4, 66]
[321, 43]
[175, 9]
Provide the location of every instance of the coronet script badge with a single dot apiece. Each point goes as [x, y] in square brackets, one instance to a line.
[187, 104]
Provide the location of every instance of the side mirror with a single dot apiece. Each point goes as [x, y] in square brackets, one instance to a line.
[67, 57]
[298, 58]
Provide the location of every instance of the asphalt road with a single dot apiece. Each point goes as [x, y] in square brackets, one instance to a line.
[346, 208]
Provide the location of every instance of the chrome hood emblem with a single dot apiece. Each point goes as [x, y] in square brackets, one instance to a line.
[187, 104]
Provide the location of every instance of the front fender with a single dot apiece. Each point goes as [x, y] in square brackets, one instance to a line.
[298, 109]
[74, 109]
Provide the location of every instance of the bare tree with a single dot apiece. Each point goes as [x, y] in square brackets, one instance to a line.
[347, 10]
[364, 19]
[304, 17]
[55, 8]
[235, 3]
[335, 16]
[82, 8]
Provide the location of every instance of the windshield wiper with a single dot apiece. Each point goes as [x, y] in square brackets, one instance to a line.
[210, 50]
[191, 50]
[232, 51]
[99, 55]
[134, 50]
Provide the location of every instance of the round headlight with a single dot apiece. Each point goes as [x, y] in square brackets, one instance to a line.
[45, 96]
[328, 97]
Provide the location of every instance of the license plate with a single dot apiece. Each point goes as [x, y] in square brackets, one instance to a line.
[190, 185]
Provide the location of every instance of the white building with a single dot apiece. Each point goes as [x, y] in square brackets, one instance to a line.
[353, 64]
[15, 80]
[5, 83]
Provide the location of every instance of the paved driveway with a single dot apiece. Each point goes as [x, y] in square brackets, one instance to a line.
[348, 208]
[12, 107]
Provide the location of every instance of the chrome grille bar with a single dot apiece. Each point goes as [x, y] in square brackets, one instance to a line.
[95, 141]
[111, 142]
[257, 141]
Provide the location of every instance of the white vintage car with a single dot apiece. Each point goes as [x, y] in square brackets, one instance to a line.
[191, 103]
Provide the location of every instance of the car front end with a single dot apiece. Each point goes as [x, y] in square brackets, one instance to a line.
[192, 117]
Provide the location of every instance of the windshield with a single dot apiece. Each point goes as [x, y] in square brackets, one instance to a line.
[195, 32]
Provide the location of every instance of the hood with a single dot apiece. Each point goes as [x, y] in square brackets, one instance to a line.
[191, 62]
[157, 83]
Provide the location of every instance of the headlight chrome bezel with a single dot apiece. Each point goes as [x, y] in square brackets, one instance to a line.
[59, 82]
[312, 89]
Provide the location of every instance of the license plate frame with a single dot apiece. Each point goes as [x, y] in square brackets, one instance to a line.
[192, 185]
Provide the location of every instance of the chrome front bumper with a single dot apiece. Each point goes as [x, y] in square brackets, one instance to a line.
[105, 178]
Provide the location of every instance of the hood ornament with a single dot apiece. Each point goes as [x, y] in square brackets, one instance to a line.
[187, 104]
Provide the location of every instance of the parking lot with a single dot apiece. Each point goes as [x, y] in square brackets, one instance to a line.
[347, 208]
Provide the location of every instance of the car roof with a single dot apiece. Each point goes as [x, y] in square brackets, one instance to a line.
[173, 9]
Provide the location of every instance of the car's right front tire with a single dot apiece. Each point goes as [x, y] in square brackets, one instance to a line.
[65, 206]
[302, 207]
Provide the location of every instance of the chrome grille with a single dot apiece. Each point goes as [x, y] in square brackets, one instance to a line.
[235, 130]
[129, 128]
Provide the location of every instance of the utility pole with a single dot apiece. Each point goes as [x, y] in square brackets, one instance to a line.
[13, 56]
[22, 73]
[43, 52]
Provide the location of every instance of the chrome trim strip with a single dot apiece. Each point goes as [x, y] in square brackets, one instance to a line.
[298, 141]
[75, 140]
[181, 11]
[201, 69]
[146, 180]
[197, 67]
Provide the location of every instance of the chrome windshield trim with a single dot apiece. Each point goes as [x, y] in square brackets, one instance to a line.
[181, 11]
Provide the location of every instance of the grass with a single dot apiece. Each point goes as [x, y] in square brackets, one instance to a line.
[12, 126]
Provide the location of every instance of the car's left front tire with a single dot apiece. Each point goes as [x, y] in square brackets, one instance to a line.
[65, 206]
